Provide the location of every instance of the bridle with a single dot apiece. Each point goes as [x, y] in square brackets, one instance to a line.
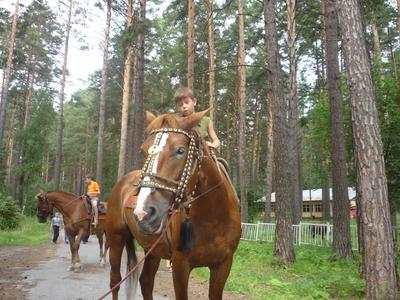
[178, 188]
[49, 206]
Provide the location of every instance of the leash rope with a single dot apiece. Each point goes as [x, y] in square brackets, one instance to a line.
[143, 258]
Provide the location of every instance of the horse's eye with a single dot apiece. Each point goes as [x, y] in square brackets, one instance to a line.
[180, 151]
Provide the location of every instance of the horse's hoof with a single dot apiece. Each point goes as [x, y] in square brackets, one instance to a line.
[70, 268]
[77, 266]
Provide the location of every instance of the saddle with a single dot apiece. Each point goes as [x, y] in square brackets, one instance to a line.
[101, 208]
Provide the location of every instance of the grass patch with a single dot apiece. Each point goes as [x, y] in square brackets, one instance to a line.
[30, 232]
[314, 275]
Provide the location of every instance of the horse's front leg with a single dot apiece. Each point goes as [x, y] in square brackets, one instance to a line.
[150, 267]
[74, 244]
[102, 254]
[180, 273]
[117, 243]
[106, 247]
[218, 277]
[76, 261]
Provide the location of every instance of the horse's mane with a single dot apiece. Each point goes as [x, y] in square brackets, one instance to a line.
[166, 120]
[63, 192]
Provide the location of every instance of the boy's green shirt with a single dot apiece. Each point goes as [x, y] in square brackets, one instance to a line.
[202, 127]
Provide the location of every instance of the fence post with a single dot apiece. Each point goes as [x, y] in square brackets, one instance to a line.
[299, 233]
[328, 233]
[258, 225]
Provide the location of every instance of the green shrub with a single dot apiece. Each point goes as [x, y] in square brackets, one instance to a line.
[10, 217]
[255, 209]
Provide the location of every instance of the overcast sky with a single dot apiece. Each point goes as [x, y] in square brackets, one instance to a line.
[82, 63]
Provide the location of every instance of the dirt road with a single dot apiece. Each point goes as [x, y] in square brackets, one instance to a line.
[40, 272]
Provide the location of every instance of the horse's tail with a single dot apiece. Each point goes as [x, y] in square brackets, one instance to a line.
[131, 263]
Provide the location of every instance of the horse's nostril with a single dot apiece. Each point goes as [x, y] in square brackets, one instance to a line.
[152, 210]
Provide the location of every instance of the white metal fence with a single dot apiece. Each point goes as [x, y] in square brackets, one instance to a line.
[303, 233]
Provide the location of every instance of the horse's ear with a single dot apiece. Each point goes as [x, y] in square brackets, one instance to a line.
[191, 121]
[149, 117]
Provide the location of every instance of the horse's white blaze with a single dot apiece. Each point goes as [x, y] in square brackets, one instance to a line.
[145, 192]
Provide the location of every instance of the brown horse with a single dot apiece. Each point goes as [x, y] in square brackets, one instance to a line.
[76, 221]
[180, 176]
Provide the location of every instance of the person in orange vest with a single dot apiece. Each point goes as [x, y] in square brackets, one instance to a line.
[93, 191]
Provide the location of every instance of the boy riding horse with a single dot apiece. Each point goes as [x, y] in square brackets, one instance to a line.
[93, 191]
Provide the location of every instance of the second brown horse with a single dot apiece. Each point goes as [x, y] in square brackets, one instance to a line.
[181, 176]
[76, 221]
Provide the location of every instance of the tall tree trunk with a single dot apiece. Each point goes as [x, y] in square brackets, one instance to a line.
[211, 61]
[131, 114]
[375, 218]
[294, 131]
[377, 71]
[255, 142]
[60, 125]
[283, 234]
[322, 46]
[242, 115]
[190, 75]
[7, 72]
[269, 158]
[46, 162]
[326, 202]
[139, 120]
[376, 44]
[20, 148]
[102, 110]
[393, 57]
[235, 137]
[125, 100]
[202, 98]
[398, 15]
[10, 162]
[341, 221]
[28, 98]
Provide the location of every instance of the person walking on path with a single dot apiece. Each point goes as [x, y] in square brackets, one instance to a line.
[55, 227]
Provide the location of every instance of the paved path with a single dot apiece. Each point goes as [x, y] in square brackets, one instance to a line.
[54, 281]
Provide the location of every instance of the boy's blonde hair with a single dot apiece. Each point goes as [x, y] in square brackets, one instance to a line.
[183, 92]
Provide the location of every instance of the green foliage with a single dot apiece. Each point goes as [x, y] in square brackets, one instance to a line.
[9, 213]
[313, 276]
[30, 232]
[256, 208]
[390, 109]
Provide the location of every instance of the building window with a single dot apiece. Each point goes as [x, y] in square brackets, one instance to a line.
[306, 207]
[318, 207]
[272, 207]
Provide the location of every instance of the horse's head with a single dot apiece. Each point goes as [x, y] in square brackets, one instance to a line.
[44, 207]
[171, 152]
